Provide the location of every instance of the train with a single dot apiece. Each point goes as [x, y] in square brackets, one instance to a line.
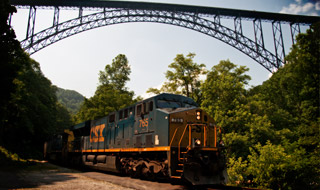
[165, 136]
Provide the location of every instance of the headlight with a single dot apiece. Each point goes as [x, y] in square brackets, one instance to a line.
[197, 142]
[198, 113]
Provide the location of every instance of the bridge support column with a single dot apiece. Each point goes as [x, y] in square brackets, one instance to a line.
[56, 18]
[238, 26]
[80, 14]
[295, 29]
[258, 34]
[278, 42]
[217, 19]
[9, 19]
[31, 23]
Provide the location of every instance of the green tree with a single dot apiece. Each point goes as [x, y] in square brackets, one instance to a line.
[33, 112]
[288, 107]
[71, 99]
[116, 74]
[111, 94]
[224, 94]
[243, 118]
[281, 167]
[9, 52]
[29, 112]
[183, 78]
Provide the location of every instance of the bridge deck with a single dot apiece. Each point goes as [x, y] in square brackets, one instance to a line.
[251, 15]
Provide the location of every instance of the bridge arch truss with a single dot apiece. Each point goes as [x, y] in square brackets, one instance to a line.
[208, 24]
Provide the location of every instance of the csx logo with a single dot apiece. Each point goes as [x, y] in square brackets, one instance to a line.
[144, 122]
[96, 133]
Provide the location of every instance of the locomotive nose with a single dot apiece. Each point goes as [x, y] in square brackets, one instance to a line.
[204, 167]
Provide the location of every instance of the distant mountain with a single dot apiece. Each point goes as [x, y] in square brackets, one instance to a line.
[71, 99]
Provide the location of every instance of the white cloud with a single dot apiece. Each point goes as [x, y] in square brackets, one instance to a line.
[307, 7]
[317, 6]
[299, 7]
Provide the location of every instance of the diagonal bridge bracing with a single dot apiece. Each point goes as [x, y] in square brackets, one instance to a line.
[205, 20]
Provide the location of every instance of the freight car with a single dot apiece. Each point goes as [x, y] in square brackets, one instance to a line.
[163, 136]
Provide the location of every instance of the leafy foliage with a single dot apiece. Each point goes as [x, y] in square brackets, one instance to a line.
[183, 78]
[116, 74]
[111, 94]
[33, 111]
[9, 159]
[29, 111]
[272, 131]
[70, 99]
[9, 51]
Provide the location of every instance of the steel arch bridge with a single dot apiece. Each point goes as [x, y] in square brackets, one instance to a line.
[205, 20]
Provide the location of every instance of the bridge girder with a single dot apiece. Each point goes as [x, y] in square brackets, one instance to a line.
[233, 38]
[205, 20]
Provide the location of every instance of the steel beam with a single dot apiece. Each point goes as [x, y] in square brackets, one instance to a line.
[238, 27]
[9, 19]
[206, 20]
[258, 33]
[110, 17]
[294, 29]
[217, 19]
[172, 7]
[31, 23]
[56, 18]
[278, 42]
[80, 13]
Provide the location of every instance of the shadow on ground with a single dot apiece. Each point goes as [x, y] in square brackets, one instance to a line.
[34, 175]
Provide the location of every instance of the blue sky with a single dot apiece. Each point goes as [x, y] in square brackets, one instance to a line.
[74, 63]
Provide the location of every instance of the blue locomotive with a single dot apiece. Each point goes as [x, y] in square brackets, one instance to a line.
[163, 136]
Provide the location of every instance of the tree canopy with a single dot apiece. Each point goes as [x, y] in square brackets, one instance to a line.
[273, 132]
[111, 94]
[29, 110]
[116, 74]
[183, 77]
[70, 99]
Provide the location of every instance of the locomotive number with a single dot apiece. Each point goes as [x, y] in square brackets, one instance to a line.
[96, 133]
[144, 122]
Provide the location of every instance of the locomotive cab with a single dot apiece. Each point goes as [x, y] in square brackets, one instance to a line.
[194, 154]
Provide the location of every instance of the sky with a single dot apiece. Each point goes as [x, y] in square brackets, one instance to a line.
[74, 63]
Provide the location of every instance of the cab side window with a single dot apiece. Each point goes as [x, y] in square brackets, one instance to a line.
[126, 113]
[120, 115]
[139, 109]
[144, 108]
[112, 118]
[150, 105]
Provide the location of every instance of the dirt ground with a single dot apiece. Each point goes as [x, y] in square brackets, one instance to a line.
[48, 176]
[44, 175]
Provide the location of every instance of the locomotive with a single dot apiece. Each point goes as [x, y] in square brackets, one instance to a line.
[163, 136]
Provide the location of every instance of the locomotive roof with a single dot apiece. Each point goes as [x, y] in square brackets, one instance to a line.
[164, 96]
[167, 96]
